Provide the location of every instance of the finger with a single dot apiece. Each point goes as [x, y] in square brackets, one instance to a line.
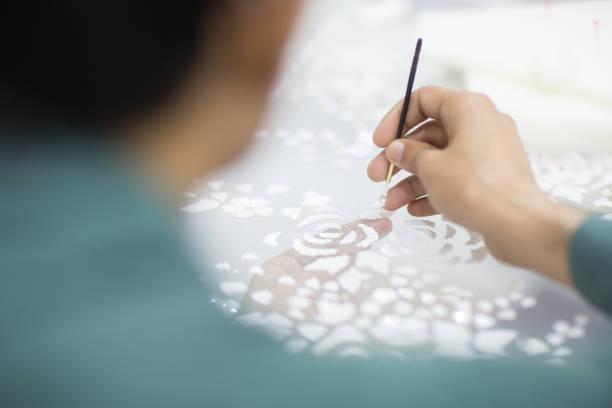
[386, 131]
[425, 103]
[378, 167]
[407, 154]
[404, 192]
[430, 132]
[421, 208]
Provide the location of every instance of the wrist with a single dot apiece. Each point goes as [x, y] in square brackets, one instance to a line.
[535, 233]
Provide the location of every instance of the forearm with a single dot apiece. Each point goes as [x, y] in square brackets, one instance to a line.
[533, 232]
[555, 240]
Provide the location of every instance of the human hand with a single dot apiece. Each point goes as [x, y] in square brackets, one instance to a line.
[468, 163]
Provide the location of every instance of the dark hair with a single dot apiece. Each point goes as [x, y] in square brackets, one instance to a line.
[90, 62]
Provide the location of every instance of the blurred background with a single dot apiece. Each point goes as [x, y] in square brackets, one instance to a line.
[546, 62]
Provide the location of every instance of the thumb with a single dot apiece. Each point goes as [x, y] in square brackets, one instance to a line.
[410, 155]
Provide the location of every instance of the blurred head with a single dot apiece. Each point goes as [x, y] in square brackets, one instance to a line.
[184, 83]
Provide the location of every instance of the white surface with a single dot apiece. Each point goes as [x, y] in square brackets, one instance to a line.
[547, 64]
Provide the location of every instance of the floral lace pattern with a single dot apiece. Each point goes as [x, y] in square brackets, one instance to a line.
[429, 284]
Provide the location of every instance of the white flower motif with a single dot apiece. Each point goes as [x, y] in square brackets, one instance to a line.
[245, 207]
[202, 205]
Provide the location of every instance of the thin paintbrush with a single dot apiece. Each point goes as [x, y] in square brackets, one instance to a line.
[402, 120]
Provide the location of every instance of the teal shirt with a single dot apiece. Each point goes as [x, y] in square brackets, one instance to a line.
[100, 306]
[591, 262]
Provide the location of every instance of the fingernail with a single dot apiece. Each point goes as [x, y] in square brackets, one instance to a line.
[395, 151]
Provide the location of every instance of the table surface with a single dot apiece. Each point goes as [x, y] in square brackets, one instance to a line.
[430, 286]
